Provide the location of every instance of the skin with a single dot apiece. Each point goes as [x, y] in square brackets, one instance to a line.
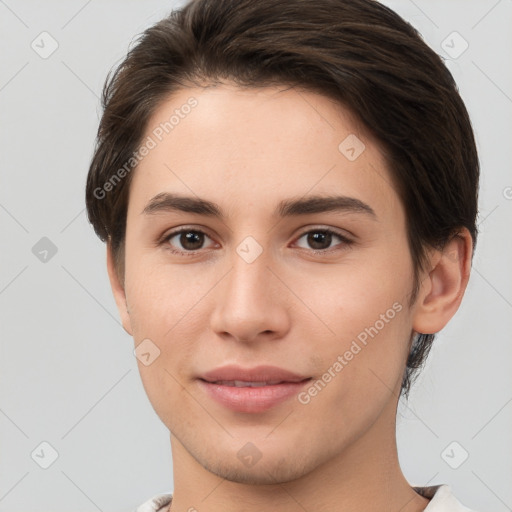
[246, 150]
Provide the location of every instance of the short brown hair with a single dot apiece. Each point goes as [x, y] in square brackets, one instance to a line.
[358, 52]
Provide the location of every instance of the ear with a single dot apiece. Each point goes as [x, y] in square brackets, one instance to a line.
[118, 291]
[443, 287]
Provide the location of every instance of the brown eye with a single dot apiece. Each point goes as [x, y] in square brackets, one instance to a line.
[186, 240]
[191, 240]
[321, 240]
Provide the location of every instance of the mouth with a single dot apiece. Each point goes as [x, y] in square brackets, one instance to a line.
[247, 384]
[251, 390]
[270, 375]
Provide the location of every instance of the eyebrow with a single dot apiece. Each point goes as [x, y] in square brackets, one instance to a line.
[167, 202]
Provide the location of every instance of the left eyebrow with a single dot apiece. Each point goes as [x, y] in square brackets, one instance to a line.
[166, 202]
[321, 204]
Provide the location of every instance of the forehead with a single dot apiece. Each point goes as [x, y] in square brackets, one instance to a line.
[255, 146]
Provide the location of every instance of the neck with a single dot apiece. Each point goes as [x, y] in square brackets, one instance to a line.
[364, 476]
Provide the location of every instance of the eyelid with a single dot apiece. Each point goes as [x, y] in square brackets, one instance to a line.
[342, 233]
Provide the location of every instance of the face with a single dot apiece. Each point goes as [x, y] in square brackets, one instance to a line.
[266, 276]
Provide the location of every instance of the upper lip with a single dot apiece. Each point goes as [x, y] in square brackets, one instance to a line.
[255, 374]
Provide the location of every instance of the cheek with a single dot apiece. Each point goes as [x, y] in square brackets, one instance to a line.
[166, 303]
[366, 310]
[161, 301]
[361, 367]
[355, 297]
[160, 296]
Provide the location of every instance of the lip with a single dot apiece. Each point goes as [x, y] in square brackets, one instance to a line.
[252, 399]
[255, 374]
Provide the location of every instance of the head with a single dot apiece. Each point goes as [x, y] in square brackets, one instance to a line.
[250, 108]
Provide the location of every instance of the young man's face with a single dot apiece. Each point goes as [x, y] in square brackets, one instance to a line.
[261, 289]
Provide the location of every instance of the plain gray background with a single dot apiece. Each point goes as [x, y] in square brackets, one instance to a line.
[67, 371]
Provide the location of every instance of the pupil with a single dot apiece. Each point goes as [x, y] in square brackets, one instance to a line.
[319, 239]
[191, 240]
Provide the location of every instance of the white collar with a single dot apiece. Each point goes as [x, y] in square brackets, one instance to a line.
[441, 500]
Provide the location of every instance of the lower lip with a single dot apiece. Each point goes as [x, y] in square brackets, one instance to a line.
[252, 399]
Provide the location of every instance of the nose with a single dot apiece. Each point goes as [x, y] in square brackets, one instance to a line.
[250, 303]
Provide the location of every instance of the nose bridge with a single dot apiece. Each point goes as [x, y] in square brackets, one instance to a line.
[249, 277]
[247, 303]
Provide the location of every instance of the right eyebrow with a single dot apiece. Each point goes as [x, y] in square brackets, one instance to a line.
[165, 202]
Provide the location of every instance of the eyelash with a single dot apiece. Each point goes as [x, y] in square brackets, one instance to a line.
[343, 239]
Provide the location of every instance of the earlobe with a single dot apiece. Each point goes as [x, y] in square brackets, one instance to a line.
[442, 288]
[118, 291]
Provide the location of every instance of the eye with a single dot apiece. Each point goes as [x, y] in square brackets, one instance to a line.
[320, 240]
[186, 240]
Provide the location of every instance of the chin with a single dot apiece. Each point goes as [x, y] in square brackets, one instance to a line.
[270, 472]
[261, 463]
